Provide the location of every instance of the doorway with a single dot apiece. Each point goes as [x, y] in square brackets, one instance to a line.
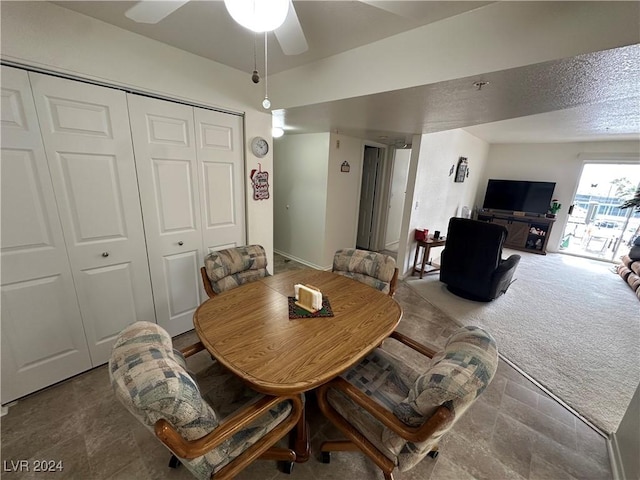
[367, 218]
[597, 227]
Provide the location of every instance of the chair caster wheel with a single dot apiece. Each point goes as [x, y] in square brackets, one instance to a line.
[174, 462]
[433, 453]
[287, 467]
[325, 457]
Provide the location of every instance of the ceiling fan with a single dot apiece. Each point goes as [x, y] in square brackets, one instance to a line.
[289, 32]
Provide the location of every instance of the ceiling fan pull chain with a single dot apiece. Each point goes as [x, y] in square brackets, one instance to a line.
[266, 103]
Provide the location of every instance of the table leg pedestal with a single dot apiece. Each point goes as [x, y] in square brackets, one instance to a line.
[300, 439]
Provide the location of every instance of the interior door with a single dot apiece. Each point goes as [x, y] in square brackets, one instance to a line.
[397, 194]
[367, 197]
[86, 134]
[221, 166]
[164, 142]
[43, 339]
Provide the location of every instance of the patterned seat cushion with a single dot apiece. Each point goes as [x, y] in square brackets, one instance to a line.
[230, 268]
[453, 378]
[370, 268]
[387, 380]
[150, 379]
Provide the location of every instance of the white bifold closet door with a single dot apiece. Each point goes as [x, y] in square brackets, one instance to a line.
[190, 171]
[43, 338]
[85, 129]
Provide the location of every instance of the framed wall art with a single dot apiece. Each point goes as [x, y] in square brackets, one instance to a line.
[461, 172]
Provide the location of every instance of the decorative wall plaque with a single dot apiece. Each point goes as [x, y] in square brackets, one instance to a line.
[461, 172]
[260, 182]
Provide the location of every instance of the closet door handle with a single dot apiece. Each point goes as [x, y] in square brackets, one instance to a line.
[105, 254]
[180, 243]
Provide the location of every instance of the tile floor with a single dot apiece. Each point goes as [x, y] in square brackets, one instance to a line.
[513, 431]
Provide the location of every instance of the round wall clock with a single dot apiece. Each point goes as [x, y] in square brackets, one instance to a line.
[259, 147]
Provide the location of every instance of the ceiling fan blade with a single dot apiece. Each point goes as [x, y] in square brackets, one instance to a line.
[402, 9]
[290, 34]
[147, 11]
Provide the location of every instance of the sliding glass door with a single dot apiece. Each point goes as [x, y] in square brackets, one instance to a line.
[597, 227]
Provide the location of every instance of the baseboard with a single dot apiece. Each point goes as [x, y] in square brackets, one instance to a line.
[299, 260]
[5, 408]
[617, 467]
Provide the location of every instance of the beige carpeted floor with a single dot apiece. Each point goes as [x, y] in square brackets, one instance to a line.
[568, 322]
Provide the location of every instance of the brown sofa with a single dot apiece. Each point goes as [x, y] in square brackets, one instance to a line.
[629, 270]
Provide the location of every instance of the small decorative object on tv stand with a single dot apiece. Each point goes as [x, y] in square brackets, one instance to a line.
[528, 232]
[554, 208]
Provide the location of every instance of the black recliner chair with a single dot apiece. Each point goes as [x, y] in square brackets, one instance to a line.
[472, 264]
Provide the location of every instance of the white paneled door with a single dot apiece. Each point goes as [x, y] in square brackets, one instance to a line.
[87, 140]
[164, 143]
[93, 238]
[43, 339]
[220, 157]
[190, 165]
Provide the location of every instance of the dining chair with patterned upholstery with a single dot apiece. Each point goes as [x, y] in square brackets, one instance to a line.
[396, 414]
[212, 423]
[374, 269]
[232, 267]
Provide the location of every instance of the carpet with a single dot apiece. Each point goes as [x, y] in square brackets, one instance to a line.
[569, 323]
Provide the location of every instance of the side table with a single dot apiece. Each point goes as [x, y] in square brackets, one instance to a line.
[426, 246]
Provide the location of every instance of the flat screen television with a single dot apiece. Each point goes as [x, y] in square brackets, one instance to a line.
[519, 196]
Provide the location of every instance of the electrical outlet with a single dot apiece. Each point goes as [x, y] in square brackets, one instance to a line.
[337, 143]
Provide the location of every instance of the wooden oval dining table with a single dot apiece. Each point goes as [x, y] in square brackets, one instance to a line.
[248, 330]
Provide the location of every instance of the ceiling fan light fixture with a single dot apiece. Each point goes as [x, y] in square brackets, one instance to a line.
[258, 15]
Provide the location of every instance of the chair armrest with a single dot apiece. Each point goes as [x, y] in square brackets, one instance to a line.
[439, 419]
[239, 420]
[207, 283]
[393, 283]
[409, 342]
[192, 349]
[508, 264]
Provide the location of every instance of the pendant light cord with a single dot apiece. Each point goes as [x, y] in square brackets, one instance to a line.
[255, 53]
[266, 103]
[266, 74]
[255, 77]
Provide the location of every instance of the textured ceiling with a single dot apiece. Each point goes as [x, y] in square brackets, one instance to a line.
[590, 97]
[594, 95]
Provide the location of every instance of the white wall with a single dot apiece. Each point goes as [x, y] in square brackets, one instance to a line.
[399, 175]
[259, 212]
[559, 162]
[315, 204]
[43, 35]
[436, 197]
[48, 36]
[343, 195]
[300, 197]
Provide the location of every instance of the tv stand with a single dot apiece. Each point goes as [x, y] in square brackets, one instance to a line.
[529, 233]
